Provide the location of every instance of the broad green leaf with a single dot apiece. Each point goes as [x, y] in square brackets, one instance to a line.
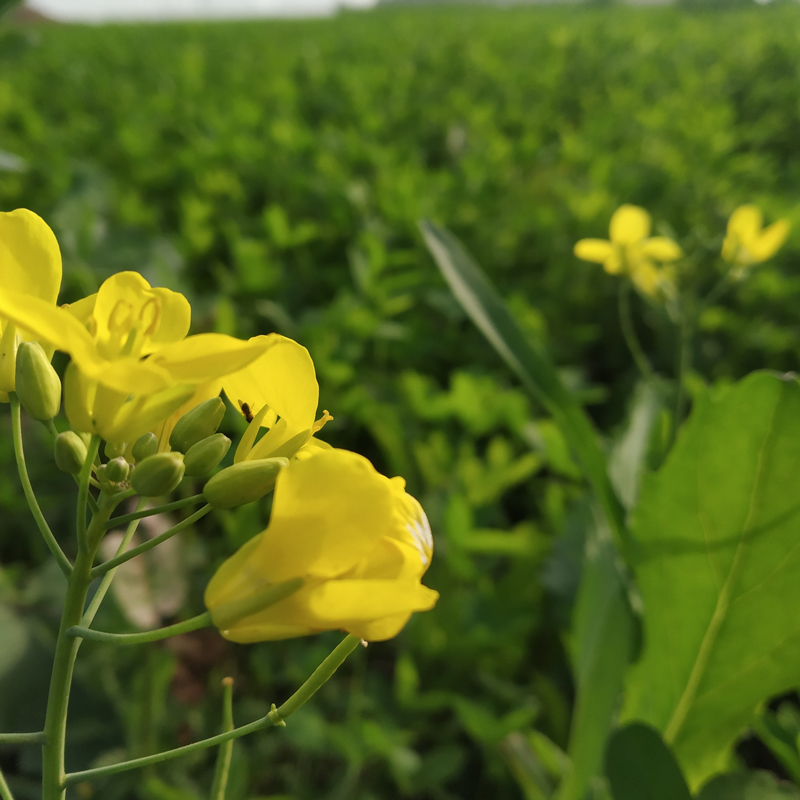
[603, 632]
[748, 786]
[639, 766]
[716, 548]
[482, 302]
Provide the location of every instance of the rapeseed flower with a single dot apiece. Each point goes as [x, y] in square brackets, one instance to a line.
[747, 242]
[357, 539]
[631, 251]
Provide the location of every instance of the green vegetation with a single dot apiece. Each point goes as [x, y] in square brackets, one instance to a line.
[275, 173]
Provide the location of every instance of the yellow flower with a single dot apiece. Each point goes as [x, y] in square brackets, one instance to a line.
[31, 264]
[632, 251]
[747, 242]
[359, 541]
[131, 365]
[279, 392]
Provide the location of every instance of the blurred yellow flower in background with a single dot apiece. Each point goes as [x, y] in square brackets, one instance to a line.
[747, 242]
[631, 251]
[358, 539]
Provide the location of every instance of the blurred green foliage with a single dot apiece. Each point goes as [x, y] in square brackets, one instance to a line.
[275, 172]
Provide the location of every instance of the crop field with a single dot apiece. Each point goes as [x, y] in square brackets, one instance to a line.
[276, 172]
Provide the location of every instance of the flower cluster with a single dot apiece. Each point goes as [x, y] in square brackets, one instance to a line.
[356, 542]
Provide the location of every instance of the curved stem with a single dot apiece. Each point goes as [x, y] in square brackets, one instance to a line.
[195, 623]
[123, 556]
[27, 488]
[223, 768]
[5, 792]
[275, 717]
[149, 512]
[83, 493]
[629, 332]
[35, 737]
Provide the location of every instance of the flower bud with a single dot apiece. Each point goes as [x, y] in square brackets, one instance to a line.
[117, 470]
[159, 474]
[115, 449]
[144, 447]
[204, 456]
[243, 482]
[100, 473]
[38, 384]
[202, 421]
[70, 452]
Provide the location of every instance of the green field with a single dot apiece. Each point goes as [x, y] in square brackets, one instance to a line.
[275, 173]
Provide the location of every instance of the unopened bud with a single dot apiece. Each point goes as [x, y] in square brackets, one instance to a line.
[243, 482]
[144, 447]
[100, 473]
[158, 475]
[117, 470]
[115, 449]
[202, 421]
[38, 384]
[204, 456]
[70, 452]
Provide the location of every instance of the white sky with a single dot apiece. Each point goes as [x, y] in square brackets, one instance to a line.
[103, 10]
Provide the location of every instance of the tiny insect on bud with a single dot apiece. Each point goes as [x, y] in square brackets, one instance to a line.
[37, 383]
[202, 421]
[70, 452]
[204, 456]
[115, 449]
[157, 475]
[145, 446]
[243, 482]
[117, 470]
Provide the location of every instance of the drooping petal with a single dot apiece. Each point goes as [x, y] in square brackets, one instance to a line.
[770, 241]
[597, 250]
[629, 224]
[661, 248]
[29, 255]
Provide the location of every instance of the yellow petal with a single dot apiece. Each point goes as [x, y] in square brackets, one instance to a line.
[79, 396]
[770, 241]
[661, 248]
[204, 392]
[597, 250]
[174, 323]
[744, 225]
[239, 576]
[647, 278]
[135, 418]
[83, 310]
[206, 357]
[29, 255]
[629, 224]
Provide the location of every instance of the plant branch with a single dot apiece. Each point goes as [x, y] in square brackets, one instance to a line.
[27, 488]
[223, 768]
[629, 333]
[83, 491]
[5, 792]
[149, 512]
[34, 737]
[275, 717]
[195, 623]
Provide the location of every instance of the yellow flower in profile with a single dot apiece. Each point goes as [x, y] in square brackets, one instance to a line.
[630, 250]
[31, 264]
[357, 539]
[747, 242]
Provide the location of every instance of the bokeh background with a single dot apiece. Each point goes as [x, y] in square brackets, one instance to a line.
[274, 171]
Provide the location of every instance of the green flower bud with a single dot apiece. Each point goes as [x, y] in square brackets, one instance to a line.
[70, 452]
[158, 475]
[243, 482]
[100, 474]
[145, 446]
[38, 384]
[117, 470]
[202, 457]
[115, 449]
[202, 421]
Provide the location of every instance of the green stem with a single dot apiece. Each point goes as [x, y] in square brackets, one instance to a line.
[149, 512]
[123, 556]
[5, 792]
[36, 737]
[105, 584]
[83, 493]
[225, 753]
[275, 717]
[684, 364]
[629, 332]
[27, 488]
[195, 623]
[67, 646]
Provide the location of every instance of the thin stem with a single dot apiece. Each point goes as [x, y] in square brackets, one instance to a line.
[27, 488]
[225, 753]
[83, 492]
[629, 332]
[684, 364]
[195, 623]
[122, 557]
[5, 792]
[149, 512]
[105, 584]
[275, 717]
[35, 737]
